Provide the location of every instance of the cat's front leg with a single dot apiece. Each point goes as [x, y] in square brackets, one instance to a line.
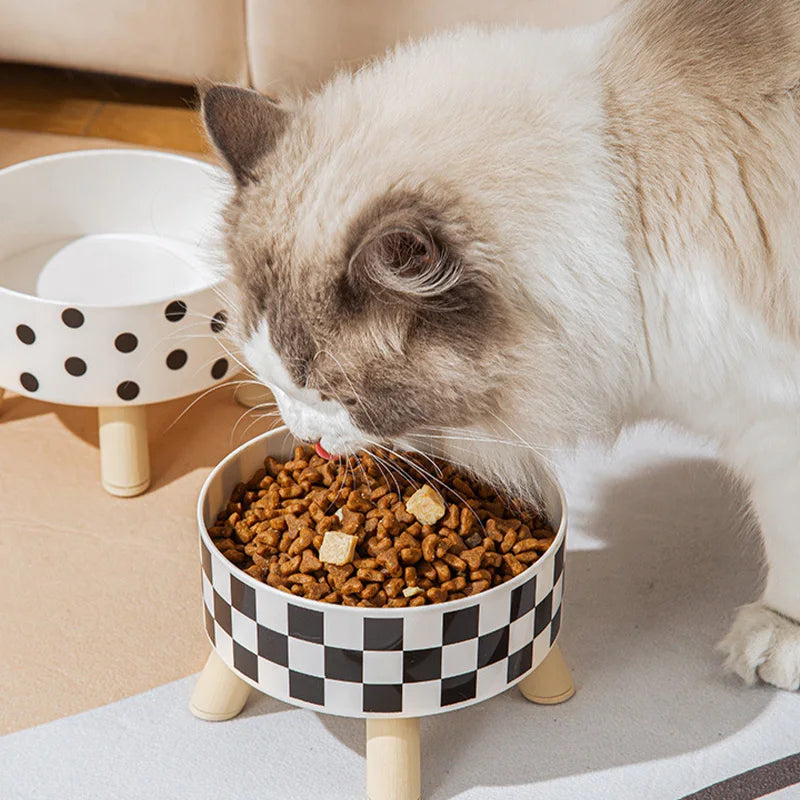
[764, 640]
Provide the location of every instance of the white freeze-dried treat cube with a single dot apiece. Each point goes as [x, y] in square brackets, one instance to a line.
[339, 513]
[426, 505]
[337, 548]
[411, 591]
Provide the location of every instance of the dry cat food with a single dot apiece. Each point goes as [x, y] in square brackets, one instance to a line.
[377, 530]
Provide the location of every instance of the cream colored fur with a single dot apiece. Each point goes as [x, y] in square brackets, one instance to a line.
[639, 182]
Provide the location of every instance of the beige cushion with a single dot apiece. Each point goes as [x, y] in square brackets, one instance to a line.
[298, 43]
[174, 40]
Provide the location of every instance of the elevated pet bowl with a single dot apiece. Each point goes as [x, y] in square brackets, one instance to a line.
[107, 296]
[390, 666]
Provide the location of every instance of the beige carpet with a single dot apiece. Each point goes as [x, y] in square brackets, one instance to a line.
[99, 595]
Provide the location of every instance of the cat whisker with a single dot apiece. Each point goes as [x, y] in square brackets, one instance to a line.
[199, 398]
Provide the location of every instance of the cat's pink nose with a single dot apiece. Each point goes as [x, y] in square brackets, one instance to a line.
[322, 452]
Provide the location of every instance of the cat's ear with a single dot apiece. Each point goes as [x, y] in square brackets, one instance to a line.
[243, 126]
[406, 257]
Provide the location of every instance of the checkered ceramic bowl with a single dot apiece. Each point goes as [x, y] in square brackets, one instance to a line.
[360, 662]
[107, 293]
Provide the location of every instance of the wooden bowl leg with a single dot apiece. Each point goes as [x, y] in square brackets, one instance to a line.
[220, 694]
[393, 771]
[550, 683]
[124, 458]
[251, 395]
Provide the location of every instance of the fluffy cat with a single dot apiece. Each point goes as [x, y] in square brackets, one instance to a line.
[501, 243]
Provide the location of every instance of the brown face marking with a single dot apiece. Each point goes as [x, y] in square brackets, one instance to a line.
[397, 360]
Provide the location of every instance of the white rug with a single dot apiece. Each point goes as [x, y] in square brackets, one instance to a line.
[659, 557]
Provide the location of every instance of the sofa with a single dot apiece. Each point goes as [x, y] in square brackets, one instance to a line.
[271, 45]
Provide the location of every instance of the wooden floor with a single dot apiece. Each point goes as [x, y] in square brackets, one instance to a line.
[48, 100]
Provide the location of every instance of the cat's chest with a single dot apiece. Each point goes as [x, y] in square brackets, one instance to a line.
[714, 362]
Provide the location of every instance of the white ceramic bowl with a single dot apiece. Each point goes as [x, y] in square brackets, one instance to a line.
[107, 296]
[359, 662]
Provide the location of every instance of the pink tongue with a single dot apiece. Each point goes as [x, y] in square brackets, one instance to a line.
[322, 452]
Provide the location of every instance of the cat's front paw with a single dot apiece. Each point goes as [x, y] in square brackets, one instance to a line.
[766, 644]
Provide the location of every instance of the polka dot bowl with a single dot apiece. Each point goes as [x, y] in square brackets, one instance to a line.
[361, 662]
[107, 294]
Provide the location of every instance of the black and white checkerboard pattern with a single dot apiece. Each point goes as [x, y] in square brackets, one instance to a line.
[362, 662]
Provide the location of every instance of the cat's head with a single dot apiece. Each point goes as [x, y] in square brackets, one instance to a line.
[378, 271]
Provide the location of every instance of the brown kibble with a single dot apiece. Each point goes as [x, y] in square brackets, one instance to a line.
[410, 555]
[401, 515]
[356, 502]
[275, 580]
[426, 570]
[455, 584]
[369, 591]
[453, 518]
[436, 595]
[316, 591]
[525, 545]
[370, 575]
[303, 580]
[473, 557]
[429, 546]
[309, 562]
[509, 540]
[351, 586]
[339, 574]
[302, 542]
[467, 520]
[395, 551]
[493, 532]
[514, 564]
[378, 492]
[443, 546]
[405, 540]
[454, 562]
[290, 566]
[390, 561]
[394, 586]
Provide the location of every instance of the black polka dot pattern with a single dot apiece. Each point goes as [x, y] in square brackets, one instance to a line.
[128, 390]
[219, 321]
[126, 343]
[72, 318]
[175, 311]
[29, 382]
[219, 369]
[176, 359]
[75, 366]
[25, 334]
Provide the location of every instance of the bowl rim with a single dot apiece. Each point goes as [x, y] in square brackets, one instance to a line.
[110, 152]
[317, 605]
